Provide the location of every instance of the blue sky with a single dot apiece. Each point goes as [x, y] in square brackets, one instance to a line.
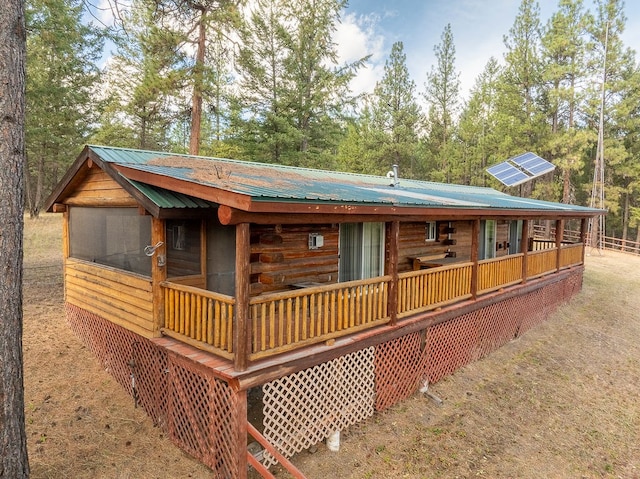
[478, 27]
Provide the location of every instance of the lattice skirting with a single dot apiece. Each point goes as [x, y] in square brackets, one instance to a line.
[197, 411]
[200, 413]
[306, 407]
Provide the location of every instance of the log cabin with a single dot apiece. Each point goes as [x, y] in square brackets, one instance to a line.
[202, 284]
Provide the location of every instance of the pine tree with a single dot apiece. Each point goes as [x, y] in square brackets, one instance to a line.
[396, 116]
[443, 96]
[143, 80]
[614, 65]
[520, 119]
[293, 89]
[477, 129]
[61, 76]
[565, 74]
[14, 462]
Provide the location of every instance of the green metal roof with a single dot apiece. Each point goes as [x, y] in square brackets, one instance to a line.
[279, 183]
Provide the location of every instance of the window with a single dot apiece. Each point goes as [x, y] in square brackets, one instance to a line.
[432, 231]
[487, 240]
[183, 247]
[361, 251]
[221, 258]
[111, 236]
[515, 236]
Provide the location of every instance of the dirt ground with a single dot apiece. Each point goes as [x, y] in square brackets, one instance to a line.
[559, 402]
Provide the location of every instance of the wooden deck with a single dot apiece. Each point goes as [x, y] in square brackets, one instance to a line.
[336, 314]
[274, 366]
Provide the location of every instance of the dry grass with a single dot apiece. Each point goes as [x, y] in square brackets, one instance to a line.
[560, 402]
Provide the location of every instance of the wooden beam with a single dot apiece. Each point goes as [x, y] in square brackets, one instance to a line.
[559, 235]
[394, 240]
[242, 326]
[241, 442]
[584, 225]
[475, 251]
[158, 271]
[287, 214]
[524, 248]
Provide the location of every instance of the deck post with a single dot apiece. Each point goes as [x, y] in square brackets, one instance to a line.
[524, 249]
[242, 326]
[475, 249]
[559, 235]
[584, 225]
[158, 272]
[392, 305]
[241, 439]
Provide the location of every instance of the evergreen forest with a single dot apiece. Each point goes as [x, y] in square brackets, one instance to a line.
[260, 80]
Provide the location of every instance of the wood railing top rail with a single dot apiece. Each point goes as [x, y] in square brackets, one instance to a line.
[202, 292]
[502, 258]
[422, 272]
[296, 293]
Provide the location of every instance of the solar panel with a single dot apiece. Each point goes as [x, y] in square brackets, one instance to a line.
[533, 164]
[520, 169]
[507, 174]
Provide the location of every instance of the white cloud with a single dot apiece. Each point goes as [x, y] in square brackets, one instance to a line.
[356, 38]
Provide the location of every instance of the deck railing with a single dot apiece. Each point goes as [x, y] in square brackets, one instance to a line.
[500, 272]
[193, 314]
[432, 288]
[571, 254]
[541, 262]
[288, 320]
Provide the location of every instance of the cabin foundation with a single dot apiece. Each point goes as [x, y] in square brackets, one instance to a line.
[190, 395]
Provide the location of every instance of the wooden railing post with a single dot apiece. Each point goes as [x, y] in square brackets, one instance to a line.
[524, 248]
[559, 235]
[584, 225]
[392, 305]
[242, 326]
[158, 272]
[475, 238]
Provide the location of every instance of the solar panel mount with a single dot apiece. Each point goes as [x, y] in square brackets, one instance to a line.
[520, 169]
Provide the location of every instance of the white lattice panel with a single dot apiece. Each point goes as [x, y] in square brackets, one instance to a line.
[304, 408]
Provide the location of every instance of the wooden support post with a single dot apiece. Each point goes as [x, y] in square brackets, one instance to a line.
[584, 225]
[158, 272]
[475, 250]
[241, 439]
[242, 324]
[559, 235]
[524, 249]
[394, 239]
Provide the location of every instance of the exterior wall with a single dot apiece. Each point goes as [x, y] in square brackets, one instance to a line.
[98, 189]
[123, 298]
[280, 256]
[412, 242]
[182, 395]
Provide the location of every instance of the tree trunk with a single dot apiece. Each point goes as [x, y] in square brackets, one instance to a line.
[198, 79]
[14, 462]
[625, 221]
